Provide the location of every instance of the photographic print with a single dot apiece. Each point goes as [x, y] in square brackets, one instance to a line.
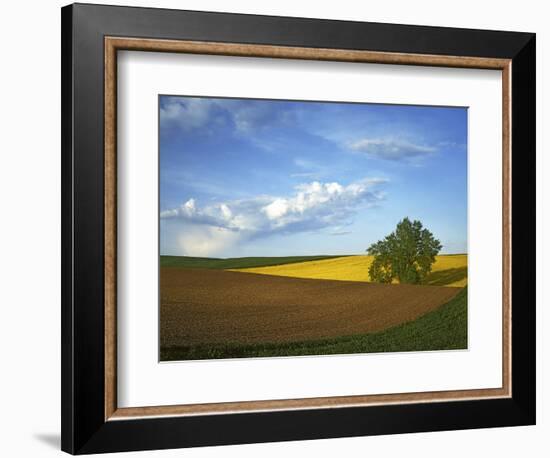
[294, 228]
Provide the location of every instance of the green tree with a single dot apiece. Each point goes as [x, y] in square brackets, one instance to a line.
[407, 254]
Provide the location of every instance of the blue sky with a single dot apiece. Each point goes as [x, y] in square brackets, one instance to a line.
[243, 177]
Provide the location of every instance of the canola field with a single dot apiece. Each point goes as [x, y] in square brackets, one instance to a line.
[448, 270]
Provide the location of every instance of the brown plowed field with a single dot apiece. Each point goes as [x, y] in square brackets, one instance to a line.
[203, 306]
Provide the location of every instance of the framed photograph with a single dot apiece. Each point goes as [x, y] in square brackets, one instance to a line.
[283, 228]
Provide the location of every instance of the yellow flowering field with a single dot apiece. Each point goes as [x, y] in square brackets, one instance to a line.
[448, 270]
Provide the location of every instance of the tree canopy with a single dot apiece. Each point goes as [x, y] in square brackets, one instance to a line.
[407, 254]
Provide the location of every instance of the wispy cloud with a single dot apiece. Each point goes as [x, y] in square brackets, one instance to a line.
[308, 169]
[313, 206]
[340, 232]
[191, 113]
[188, 113]
[392, 149]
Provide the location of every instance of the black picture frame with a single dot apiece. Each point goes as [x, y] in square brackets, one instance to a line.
[84, 428]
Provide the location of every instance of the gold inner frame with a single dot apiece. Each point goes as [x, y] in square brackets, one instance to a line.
[112, 45]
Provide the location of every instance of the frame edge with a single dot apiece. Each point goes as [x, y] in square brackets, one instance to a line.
[67, 382]
[523, 137]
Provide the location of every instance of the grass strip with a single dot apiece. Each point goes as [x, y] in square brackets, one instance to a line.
[235, 263]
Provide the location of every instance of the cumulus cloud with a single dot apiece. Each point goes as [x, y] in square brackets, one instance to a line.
[391, 149]
[210, 228]
[205, 241]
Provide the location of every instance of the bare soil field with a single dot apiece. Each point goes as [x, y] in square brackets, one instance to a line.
[204, 306]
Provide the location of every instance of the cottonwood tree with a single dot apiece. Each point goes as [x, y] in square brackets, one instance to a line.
[407, 254]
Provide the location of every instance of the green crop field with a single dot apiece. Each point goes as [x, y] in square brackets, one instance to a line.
[235, 263]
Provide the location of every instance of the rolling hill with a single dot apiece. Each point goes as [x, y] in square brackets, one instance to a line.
[448, 270]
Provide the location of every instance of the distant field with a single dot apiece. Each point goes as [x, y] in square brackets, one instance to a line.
[448, 270]
[234, 263]
[210, 313]
[232, 315]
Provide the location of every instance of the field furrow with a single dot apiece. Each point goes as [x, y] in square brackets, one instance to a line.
[206, 306]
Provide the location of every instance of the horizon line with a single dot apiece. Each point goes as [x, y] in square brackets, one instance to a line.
[290, 256]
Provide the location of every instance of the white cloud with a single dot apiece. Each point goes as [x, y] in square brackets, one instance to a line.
[249, 116]
[209, 229]
[340, 233]
[276, 209]
[391, 149]
[199, 112]
[205, 241]
[189, 113]
[309, 169]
